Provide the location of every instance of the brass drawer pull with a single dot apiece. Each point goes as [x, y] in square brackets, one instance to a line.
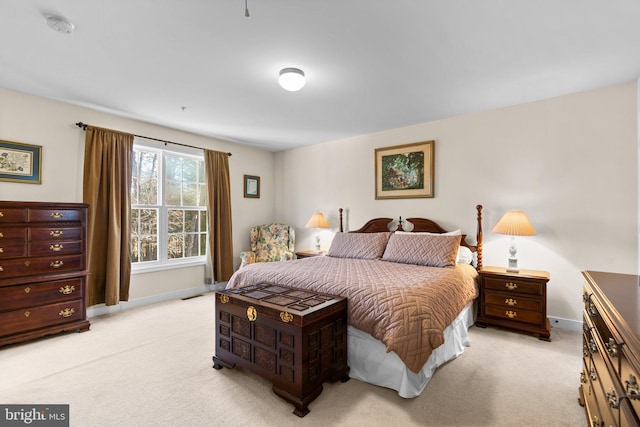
[1, 250]
[592, 346]
[612, 399]
[593, 374]
[67, 312]
[585, 351]
[1, 214]
[511, 286]
[56, 233]
[511, 314]
[286, 317]
[56, 264]
[583, 377]
[56, 248]
[612, 348]
[224, 299]
[252, 313]
[632, 389]
[66, 290]
[56, 215]
[586, 297]
[592, 310]
[1, 269]
[27, 290]
[27, 313]
[511, 302]
[1, 235]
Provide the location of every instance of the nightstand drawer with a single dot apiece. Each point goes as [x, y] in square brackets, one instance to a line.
[524, 316]
[513, 285]
[510, 301]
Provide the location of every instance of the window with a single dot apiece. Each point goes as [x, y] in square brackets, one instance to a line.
[168, 208]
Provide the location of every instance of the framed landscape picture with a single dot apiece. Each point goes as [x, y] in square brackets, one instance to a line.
[252, 186]
[405, 171]
[20, 162]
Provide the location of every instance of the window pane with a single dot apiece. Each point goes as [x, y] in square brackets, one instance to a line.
[174, 249]
[190, 170]
[134, 190]
[201, 172]
[191, 221]
[203, 221]
[135, 222]
[172, 193]
[175, 222]
[191, 245]
[149, 248]
[189, 195]
[135, 249]
[145, 174]
[203, 244]
[173, 168]
[148, 221]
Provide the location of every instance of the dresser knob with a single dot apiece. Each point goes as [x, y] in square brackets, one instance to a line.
[612, 348]
[56, 248]
[511, 286]
[583, 377]
[27, 313]
[593, 346]
[1, 250]
[510, 302]
[66, 290]
[67, 312]
[612, 399]
[593, 311]
[27, 290]
[56, 233]
[593, 374]
[1, 269]
[56, 215]
[511, 314]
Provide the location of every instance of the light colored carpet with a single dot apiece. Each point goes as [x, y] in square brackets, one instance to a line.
[151, 366]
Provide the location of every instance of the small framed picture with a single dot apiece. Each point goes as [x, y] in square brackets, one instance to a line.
[252, 186]
[20, 162]
[405, 171]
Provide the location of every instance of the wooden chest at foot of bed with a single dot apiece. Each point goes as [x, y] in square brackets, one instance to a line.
[295, 338]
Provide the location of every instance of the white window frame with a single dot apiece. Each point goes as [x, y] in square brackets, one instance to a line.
[165, 263]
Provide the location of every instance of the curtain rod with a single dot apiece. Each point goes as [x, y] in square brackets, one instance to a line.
[83, 126]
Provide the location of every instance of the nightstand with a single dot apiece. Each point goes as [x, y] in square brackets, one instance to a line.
[514, 300]
[308, 254]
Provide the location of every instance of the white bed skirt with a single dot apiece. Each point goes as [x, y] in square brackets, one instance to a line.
[369, 361]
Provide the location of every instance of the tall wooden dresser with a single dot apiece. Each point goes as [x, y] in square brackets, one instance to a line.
[610, 388]
[42, 269]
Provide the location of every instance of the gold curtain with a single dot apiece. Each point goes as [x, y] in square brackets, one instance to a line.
[219, 205]
[108, 156]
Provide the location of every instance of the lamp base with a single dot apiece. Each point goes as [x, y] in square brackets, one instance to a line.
[513, 265]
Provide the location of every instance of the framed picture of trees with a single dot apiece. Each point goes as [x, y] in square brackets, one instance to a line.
[405, 171]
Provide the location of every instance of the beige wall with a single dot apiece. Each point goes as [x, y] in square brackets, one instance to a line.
[51, 124]
[569, 162]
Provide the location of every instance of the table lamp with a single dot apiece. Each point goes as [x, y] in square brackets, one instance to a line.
[514, 223]
[317, 221]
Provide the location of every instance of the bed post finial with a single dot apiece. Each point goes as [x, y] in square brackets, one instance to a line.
[400, 224]
[341, 228]
[479, 237]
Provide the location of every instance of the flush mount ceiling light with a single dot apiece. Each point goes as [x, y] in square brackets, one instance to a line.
[59, 24]
[291, 79]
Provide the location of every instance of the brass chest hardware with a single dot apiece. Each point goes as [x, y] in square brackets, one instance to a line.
[27, 313]
[1, 250]
[56, 264]
[612, 398]
[1, 269]
[510, 302]
[511, 286]
[67, 312]
[1, 235]
[27, 290]
[286, 317]
[252, 313]
[27, 263]
[56, 233]
[1, 214]
[56, 215]
[612, 348]
[224, 299]
[631, 387]
[56, 248]
[66, 290]
[511, 314]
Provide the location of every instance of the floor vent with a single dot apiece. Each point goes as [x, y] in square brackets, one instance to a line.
[194, 296]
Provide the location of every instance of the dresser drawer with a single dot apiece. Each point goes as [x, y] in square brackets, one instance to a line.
[55, 215]
[630, 379]
[31, 266]
[34, 294]
[12, 249]
[12, 233]
[13, 215]
[510, 301]
[511, 285]
[511, 313]
[37, 317]
[49, 233]
[55, 248]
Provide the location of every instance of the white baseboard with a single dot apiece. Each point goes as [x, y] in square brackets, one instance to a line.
[571, 325]
[100, 309]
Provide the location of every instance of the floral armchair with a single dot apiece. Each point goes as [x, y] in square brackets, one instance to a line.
[270, 242]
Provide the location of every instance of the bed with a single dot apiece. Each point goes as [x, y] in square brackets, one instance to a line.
[410, 285]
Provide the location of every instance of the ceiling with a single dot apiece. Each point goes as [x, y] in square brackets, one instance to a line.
[370, 64]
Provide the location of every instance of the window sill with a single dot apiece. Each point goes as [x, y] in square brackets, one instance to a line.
[150, 268]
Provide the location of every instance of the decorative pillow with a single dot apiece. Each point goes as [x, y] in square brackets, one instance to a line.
[423, 249]
[465, 255]
[358, 245]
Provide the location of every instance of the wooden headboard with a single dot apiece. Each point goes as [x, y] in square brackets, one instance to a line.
[378, 225]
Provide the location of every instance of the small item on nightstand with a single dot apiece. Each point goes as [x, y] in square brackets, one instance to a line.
[514, 300]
